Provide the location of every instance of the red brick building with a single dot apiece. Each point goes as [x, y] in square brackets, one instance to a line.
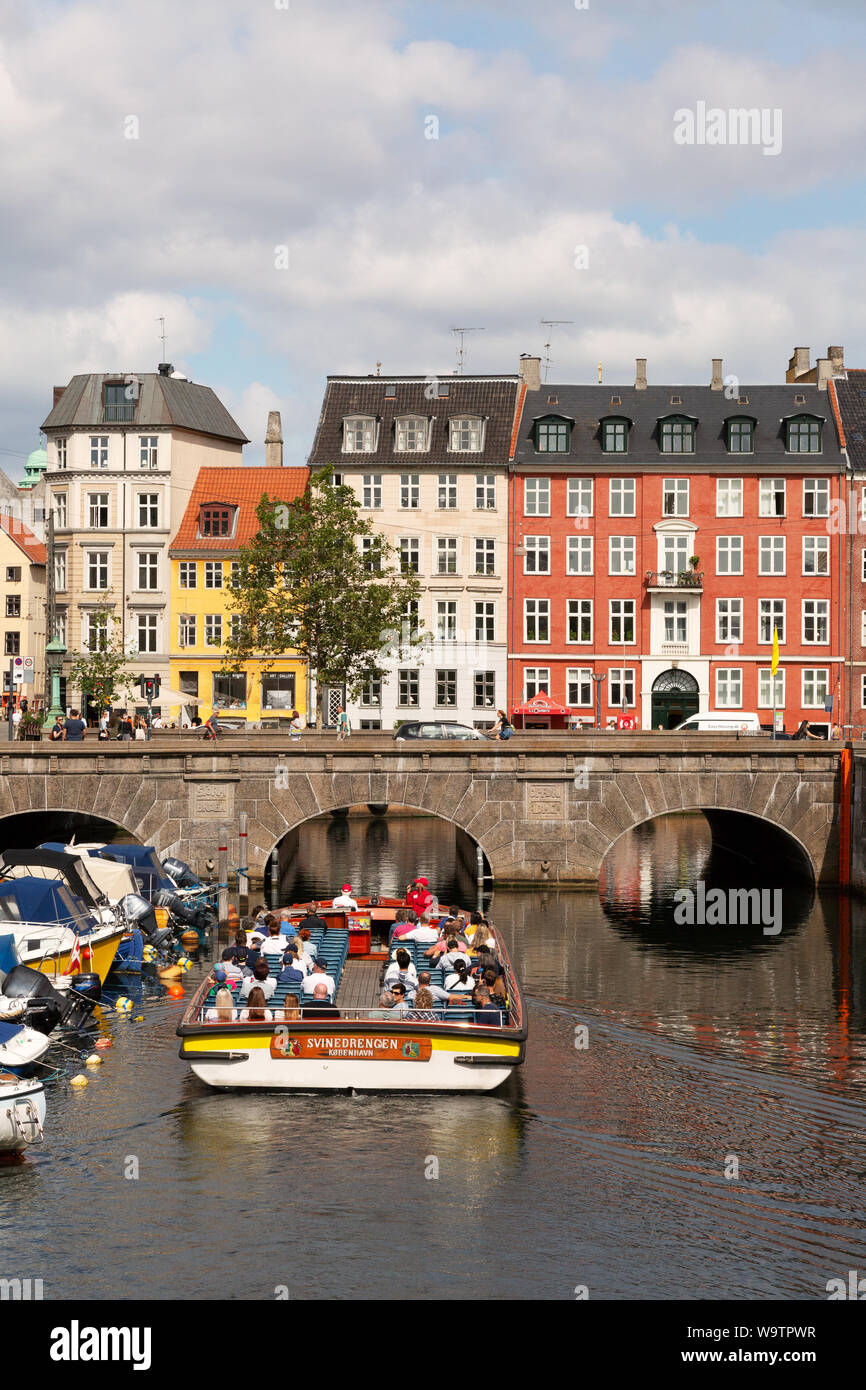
[658, 534]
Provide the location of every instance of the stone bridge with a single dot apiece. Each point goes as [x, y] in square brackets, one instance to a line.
[543, 807]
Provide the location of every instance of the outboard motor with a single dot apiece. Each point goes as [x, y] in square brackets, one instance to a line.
[46, 1006]
[181, 911]
[140, 912]
[181, 873]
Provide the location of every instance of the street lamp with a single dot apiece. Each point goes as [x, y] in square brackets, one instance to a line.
[598, 680]
[55, 651]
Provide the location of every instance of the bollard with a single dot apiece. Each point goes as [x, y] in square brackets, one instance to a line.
[479, 875]
[275, 877]
[243, 866]
[223, 880]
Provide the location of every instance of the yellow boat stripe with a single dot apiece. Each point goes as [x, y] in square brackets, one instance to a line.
[235, 1042]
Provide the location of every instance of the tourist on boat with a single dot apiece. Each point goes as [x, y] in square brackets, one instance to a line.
[222, 1011]
[290, 973]
[401, 969]
[305, 950]
[425, 932]
[260, 979]
[420, 898]
[345, 899]
[291, 1007]
[308, 923]
[405, 920]
[317, 977]
[459, 980]
[486, 1011]
[453, 956]
[274, 943]
[321, 1007]
[496, 984]
[255, 1012]
[422, 1010]
[440, 995]
[230, 967]
[386, 1004]
[401, 1000]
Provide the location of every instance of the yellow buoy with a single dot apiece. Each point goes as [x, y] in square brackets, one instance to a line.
[123, 1004]
[139, 1018]
[171, 972]
[185, 963]
[94, 1060]
[78, 1080]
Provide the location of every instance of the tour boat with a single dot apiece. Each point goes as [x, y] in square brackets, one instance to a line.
[22, 1112]
[361, 1047]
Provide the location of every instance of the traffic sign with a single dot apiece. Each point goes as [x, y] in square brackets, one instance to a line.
[28, 663]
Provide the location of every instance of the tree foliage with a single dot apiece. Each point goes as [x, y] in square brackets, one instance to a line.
[104, 673]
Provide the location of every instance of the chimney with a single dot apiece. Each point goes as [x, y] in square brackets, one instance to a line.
[717, 384]
[530, 370]
[274, 441]
[640, 374]
[837, 357]
[798, 367]
[824, 370]
[58, 392]
[165, 369]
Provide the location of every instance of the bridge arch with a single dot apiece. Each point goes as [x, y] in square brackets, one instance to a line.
[27, 829]
[755, 839]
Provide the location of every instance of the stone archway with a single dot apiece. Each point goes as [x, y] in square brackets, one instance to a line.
[675, 696]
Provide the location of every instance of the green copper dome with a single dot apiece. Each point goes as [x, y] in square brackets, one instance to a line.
[36, 464]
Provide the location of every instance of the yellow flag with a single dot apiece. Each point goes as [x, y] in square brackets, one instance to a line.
[774, 665]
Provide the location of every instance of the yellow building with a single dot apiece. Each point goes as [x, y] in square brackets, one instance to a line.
[220, 518]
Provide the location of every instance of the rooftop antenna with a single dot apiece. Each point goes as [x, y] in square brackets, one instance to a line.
[461, 350]
[161, 320]
[551, 323]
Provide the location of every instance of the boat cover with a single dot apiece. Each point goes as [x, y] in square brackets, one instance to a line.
[46, 863]
[43, 901]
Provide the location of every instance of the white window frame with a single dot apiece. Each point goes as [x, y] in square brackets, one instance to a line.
[536, 680]
[734, 677]
[619, 545]
[470, 427]
[623, 678]
[677, 490]
[415, 427]
[808, 677]
[410, 491]
[187, 569]
[579, 609]
[729, 550]
[768, 490]
[579, 555]
[819, 545]
[536, 551]
[485, 492]
[765, 688]
[622, 491]
[816, 495]
[371, 492]
[363, 426]
[536, 497]
[447, 551]
[147, 566]
[724, 488]
[103, 563]
[540, 613]
[773, 621]
[772, 547]
[619, 610]
[579, 678]
[821, 612]
[729, 611]
[578, 490]
[149, 624]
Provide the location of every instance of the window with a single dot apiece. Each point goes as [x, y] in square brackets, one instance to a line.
[580, 497]
[446, 493]
[147, 632]
[96, 569]
[537, 557]
[94, 632]
[771, 499]
[13, 644]
[729, 555]
[59, 569]
[729, 620]
[771, 614]
[215, 521]
[359, 435]
[485, 555]
[536, 681]
[863, 692]
[614, 436]
[771, 555]
[61, 627]
[675, 497]
[118, 404]
[765, 689]
[446, 555]
[622, 555]
[213, 574]
[411, 434]
[485, 492]
[371, 691]
[410, 490]
[729, 497]
[485, 614]
[579, 555]
[371, 551]
[148, 510]
[148, 569]
[675, 553]
[446, 620]
[148, 451]
[578, 686]
[816, 555]
[622, 496]
[675, 621]
[804, 435]
[579, 615]
[13, 574]
[465, 435]
[97, 510]
[446, 688]
[816, 621]
[484, 685]
[13, 605]
[741, 436]
[410, 555]
[815, 684]
[369, 724]
[60, 445]
[536, 497]
[552, 436]
[188, 575]
[337, 480]
[372, 491]
[816, 496]
[186, 634]
[99, 451]
[410, 620]
[213, 630]
[230, 689]
[536, 620]
[278, 691]
[677, 435]
[729, 687]
[58, 503]
[620, 681]
[621, 621]
[236, 627]
[407, 689]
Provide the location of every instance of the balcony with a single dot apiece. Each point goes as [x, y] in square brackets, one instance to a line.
[673, 649]
[690, 579]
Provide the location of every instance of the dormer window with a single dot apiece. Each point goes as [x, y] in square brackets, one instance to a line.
[466, 435]
[803, 434]
[552, 435]
[677, 435]
[741, 435]
[614, 435]
[216, 519]
[117, 404]
[359, 434]
[411, 434]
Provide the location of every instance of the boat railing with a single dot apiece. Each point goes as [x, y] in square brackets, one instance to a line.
[454, 1015]
[51, 935]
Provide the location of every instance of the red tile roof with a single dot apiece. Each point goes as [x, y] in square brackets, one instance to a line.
[25, 539]
[235, 487]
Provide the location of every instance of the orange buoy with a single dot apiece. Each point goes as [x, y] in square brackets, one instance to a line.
[189, 938]
[233, 919]
[175, 991]
[102, 1042]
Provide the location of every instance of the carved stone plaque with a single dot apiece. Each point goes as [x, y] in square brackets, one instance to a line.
[211, 800]
[545, 801]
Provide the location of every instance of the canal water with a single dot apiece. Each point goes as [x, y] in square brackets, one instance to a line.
[689, 1122]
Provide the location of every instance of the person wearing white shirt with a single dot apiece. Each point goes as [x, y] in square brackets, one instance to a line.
[423, 932]
[346, 900]
[316, 977]
[260, 979]
[459, 981]
[403, 971]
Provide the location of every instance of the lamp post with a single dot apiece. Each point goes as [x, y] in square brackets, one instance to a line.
[54, 654]
[598, 680]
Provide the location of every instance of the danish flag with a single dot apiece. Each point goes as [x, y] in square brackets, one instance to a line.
[75, 958]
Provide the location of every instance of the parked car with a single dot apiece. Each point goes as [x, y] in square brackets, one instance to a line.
[437, 728]
[720, 722]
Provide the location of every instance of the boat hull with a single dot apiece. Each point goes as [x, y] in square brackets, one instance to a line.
[57, 960]
[22, 1115]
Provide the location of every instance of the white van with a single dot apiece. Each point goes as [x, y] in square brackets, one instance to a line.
[720, 722]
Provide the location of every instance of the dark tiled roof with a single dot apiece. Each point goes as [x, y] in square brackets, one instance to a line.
[162, 401]
[851, 395]
[492, 398]
[588, 405]
[236, 487]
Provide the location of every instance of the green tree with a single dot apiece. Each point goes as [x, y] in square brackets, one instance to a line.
[103, 672]
[317, 580]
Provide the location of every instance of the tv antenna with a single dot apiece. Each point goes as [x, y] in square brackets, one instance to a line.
[161, 320]
[461, 350]
[551, 323]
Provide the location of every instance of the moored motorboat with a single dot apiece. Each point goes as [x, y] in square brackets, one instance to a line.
[22, 1112]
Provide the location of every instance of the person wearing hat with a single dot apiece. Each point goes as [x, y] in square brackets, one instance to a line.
[420, 898]
[346, 900]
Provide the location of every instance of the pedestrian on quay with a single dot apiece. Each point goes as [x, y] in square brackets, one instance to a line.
[56, 731]
[344, 728]
[124, 727]
[75, 728]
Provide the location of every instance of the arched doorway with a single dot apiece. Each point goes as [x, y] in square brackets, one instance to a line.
[674, 697]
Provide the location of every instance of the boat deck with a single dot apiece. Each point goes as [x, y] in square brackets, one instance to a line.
[359, 984]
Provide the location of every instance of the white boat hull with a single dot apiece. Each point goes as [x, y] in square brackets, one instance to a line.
[20, 1052]
[22, 1115]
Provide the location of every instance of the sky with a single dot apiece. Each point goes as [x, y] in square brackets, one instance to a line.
[304, 187]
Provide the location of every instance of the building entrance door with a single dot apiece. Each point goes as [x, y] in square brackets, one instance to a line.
[675, 697]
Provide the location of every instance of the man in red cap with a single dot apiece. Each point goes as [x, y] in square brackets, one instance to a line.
[419, 897]
[346, 900]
